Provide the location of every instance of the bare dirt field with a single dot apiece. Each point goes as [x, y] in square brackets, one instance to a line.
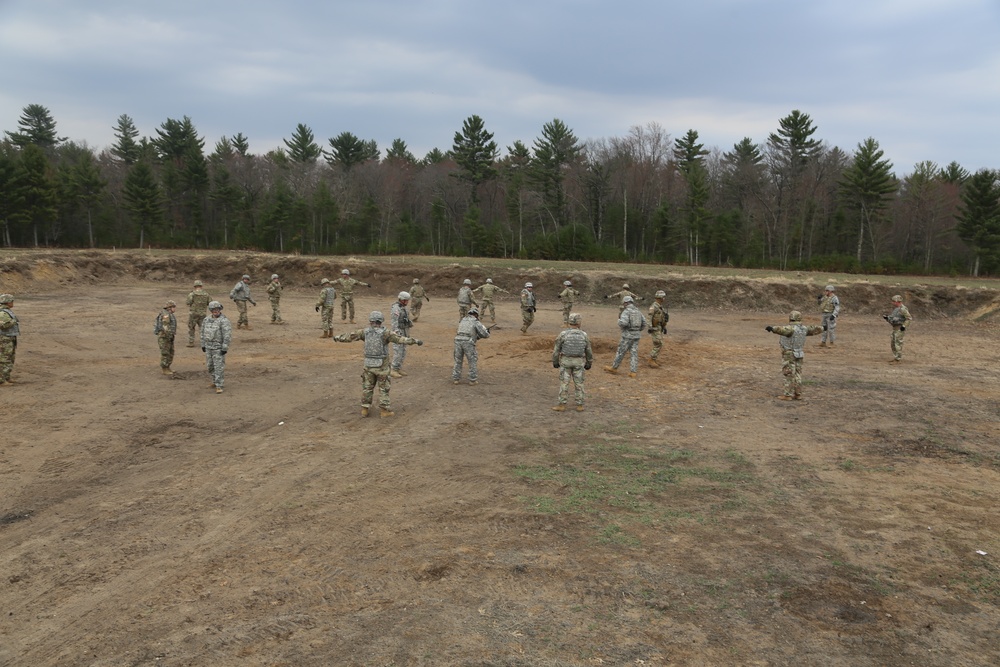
[687, 517]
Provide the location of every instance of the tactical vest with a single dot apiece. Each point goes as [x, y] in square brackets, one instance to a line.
[659, 316]
[212, 332]
[574, 343]
[376, 349]
[329, 297]
[527, 299]
[417, 293]
[401, 318]
[467, 328]
[240, 292]
[796, 341]
[14, 331]
[828, 304]
[199, 302]
[465, 296]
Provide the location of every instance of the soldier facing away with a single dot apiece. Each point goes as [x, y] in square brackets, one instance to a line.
[792, 341]
[324, 306]
[376, 368]
[400, 323]
[470, 330]
[829, 306]
[489, 290]
[274, 289]
[568, 298]
[631, 322]
[572, 355]
[899, 318]
[216, 335]
[417, 296]
[528, 307]
[241, 295]
[624, 292]
[465, 298]
[10, 330]
[347, 284]
[165, 329]
[658, 318]
[197, 303]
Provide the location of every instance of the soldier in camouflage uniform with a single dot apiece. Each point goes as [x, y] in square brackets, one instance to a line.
[376, 369]
[274, 296]
[793, 340]
[631, 322]
[399, 323]
[197, 302]
[216, 335]
[489, 290]
[470, 329]
[622, 294]
[325, 305]
[528, 307]
[241, 295]
[347, 284]
[9, 332]
[829, 306]
[165, 329]
[465, 298]
[572, 355]
[899, 318]
[568, 298]
[417, 296]
[658, 318]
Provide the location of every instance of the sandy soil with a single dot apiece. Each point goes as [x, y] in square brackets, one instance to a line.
[686, 518]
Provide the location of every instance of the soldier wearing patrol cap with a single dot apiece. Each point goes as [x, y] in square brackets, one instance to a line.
[240, 294]
[197, 303]
[900, 319]
[417, 296]
[792, 341]
[9, 332]
[528, 306]
[165, 329]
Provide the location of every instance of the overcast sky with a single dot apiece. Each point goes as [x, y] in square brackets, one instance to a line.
[920, 76]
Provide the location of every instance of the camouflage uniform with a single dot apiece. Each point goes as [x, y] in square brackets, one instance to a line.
[793, 338]
[899, 318]
[376, 369]
[216, 335]
[622, 294]
[568, 298]
[470, 329]
[274, 296]
[347, 295]
[400, 323]
[197, 302]
[829, 306]
[489, 290]
[241, 295]
[165, 330]
[324, 306]
[572, 355]
[631, 322]
[658, 318]
[417, 296]
[465, 299]
[9, 331]
[528, 307]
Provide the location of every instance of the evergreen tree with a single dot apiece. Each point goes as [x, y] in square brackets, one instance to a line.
[475, 153]
[434, 156]
[82, 187]
[125, 147]
[556, 149]
[954, 173]
[347, 151]
[399, 151]
[868, 184]
[11, 193]
[303, 147]
[979, 219]
[241, 144]
[37, 127]
[38, 191]
[143, 198]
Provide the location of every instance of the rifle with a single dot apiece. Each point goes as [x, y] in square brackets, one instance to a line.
[492, 327]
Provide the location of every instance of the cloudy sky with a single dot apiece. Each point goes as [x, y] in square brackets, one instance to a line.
[920, 76]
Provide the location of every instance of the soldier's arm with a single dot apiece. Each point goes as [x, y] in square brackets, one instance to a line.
[813, 330]
[350, 336]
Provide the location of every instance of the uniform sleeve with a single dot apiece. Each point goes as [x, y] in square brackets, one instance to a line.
[557, 348]
[227, 334]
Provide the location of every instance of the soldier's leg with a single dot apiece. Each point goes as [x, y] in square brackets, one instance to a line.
[367, 388]
[633, 362]
[578, 384]
[462, 311]
[564, 379]
[276, 311]
[218, 368]
[398, 356]
[831, 329]
[6, 357]
[473, 355]
[343, 309]
[170, 352]
[192, 323]
[620, 353]
[350, 308]
[797, 378]
[416, 309]
[456, 371]
[162, 342]
[657, 344]
[788, 371]
[384, 384]
[897, 344]
[241, 307]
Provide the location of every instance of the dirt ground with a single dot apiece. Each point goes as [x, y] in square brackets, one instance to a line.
[687, 517]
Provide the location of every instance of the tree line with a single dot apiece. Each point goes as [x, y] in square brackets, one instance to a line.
[790, 202]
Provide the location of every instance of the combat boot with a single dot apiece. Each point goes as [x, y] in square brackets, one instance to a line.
[631, 375]
[190, 343]
[823, 344]
[784, 398]
[611, 369]
[385, 413]
[559, 408]
[831, 343]
[248, 327]
[395, 374]
[653, 364]
[364, 412]
[218, 390]
[579, 408]
[473, 383]
[166, 371]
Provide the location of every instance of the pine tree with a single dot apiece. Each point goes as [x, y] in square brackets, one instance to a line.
[868, 184]
[979, 219]
[475, 153]
[143, 198]
[303, 147]
[37, 127]
[555, 150]
[125, 147]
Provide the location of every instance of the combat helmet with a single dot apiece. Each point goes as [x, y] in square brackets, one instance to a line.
[416, 280]
[795, 316]
[474, 311]
[215, 305]
[567, 283]
[628, 299]
[466, 282]
[403, 296]
[170, 304]
[325, 281]
[376, 316]
[575, 318]
[346, 272]
[198, 283]
[6, 298]
[660, 294]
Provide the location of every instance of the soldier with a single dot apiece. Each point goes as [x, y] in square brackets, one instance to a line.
[376, 369]
[9, 331]
[216, 335]
[197, 302]
[465, 298]
[899, 318]
[793, 339]
[658, 318]
[528, 307]
[347, 284]
[572, 355]
[568, 298]
[327, 300]
[241, 294]
[631, 322]
[489, 290]
[274, 296]
[470, 329]
[829, 306]
[399, 323]
[417, 296]
[622, 294]
[165, 329]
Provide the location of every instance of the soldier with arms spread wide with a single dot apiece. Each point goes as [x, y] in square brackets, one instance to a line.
[792, 341]
[347, 284]
[489, 290]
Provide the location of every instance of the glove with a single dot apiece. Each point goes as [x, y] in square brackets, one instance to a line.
[317, 309]
[769, 329]
[587, 366]
[224, 352]
[902, 328]
[555, 364]
[833, 318]
[819, 298]
[824, 327]
[533, 309]
[651, 330]
[605, 296]
[419, 342]
[203, 349]
[885, 317]
[253, 303]
[428, 299]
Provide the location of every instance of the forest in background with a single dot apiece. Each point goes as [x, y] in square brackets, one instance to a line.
[790, 202]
